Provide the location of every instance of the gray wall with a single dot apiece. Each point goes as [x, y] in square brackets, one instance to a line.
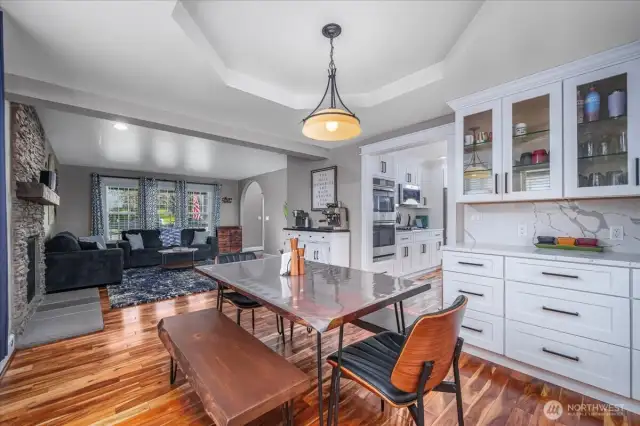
[251, 215]
[274, 190]
[74, 188]
[347, 159]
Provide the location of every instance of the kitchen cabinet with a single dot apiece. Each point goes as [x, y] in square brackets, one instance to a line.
[422, 257]
[408, 173]
[478, 150]
[332, 248]
[318, 252]
[383, 166]
[404, 259]
[601, 156]
[532, 144]
[568, 132]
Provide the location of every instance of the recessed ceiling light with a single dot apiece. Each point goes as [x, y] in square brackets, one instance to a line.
[443, 157]
[120, 126]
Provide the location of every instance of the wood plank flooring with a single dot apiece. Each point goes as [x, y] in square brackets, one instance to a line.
[121, 376]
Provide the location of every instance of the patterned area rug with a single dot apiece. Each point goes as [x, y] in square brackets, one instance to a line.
[146, 285]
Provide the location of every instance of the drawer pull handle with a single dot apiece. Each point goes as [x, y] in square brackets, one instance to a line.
[477, 330]
[471, 293]
[553, 274]
[569, 357]
[560, 311]
[471, 264]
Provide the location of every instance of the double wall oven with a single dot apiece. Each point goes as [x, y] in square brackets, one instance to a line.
[384, 232]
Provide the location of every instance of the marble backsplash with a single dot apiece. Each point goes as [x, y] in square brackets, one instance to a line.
[498, 223]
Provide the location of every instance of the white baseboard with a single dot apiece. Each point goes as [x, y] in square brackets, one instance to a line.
[583, 388]
[12, 347]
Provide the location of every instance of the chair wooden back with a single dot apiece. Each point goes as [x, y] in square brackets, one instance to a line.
[433, 339]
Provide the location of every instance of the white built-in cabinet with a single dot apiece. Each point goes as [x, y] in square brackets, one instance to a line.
[408, 173]
[324, 247]
[617, 168]
[383, 166]
[418, 250]
[564, 152]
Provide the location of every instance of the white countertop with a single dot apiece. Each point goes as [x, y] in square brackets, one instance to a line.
[419, 230]
[607, 258]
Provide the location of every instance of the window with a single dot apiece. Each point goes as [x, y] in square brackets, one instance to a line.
[166, 204]
[121, 207]
[200, 206]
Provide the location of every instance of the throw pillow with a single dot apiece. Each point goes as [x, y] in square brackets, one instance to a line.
[98, 239]
[136, 241]
[170, 236]
[63, 242]
[200, 237]
[88, 245]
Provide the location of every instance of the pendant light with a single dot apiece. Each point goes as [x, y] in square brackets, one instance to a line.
[332, 123]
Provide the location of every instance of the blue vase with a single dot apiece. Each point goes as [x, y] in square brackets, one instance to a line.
[592, 105]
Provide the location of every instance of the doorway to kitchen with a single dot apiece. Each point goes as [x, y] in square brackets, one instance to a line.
[252, 217]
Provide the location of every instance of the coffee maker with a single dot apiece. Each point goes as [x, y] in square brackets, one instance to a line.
[302, 219]
[337, 216]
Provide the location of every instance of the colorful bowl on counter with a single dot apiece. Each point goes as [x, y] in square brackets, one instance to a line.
[566, 241]
[546, 240]
[587, 242]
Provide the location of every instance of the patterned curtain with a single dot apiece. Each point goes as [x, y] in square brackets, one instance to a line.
[97, 222]
[148, 198]
[181, 207]
[216, 207]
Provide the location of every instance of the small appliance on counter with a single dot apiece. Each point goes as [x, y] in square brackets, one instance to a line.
[336, 217]
[422, 221]
[302, 219]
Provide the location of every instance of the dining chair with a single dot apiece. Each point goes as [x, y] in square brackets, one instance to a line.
[401, 369]
[240, 301]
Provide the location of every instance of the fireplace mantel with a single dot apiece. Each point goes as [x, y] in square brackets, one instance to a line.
[37, 193]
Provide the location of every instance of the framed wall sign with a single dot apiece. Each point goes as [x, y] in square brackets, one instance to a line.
[324, 187]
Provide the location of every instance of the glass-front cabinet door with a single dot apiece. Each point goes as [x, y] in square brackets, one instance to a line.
[602, 127]
[479, 153]
[532, 144]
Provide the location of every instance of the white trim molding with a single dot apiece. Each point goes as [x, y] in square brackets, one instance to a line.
[433, 134]
[591, 63]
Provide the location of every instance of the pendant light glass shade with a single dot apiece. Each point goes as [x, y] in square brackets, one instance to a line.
[332, 125]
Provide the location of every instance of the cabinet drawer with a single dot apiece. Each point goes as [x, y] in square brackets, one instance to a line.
[636, 324]
[635, 386]
[484, 294]
[472, 263]
[598, 317]
[427, 235]
[635, 273]
[574, 276]
[404, 237]
[483, 330]
[599, 364]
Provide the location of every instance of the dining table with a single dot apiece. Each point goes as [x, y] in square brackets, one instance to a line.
[326, 297]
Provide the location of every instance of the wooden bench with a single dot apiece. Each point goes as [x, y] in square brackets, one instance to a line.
[235, 375]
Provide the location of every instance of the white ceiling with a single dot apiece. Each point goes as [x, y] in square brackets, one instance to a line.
[87, 141]
[243, 69]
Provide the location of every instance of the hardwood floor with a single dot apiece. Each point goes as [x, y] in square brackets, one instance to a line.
[121, 375]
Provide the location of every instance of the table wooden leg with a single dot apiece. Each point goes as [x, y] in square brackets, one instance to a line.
[319, 361]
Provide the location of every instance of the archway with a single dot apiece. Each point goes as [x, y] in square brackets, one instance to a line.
[252, 217]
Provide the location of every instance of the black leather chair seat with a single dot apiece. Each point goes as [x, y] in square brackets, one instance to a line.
[240, 300]
[372, 361]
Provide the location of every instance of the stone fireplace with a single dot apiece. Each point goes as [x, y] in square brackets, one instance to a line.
[28, 158]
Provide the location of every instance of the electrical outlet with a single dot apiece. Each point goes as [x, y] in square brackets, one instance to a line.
[616, 233]
[266, 218]
[476, 217]
[522, 230]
